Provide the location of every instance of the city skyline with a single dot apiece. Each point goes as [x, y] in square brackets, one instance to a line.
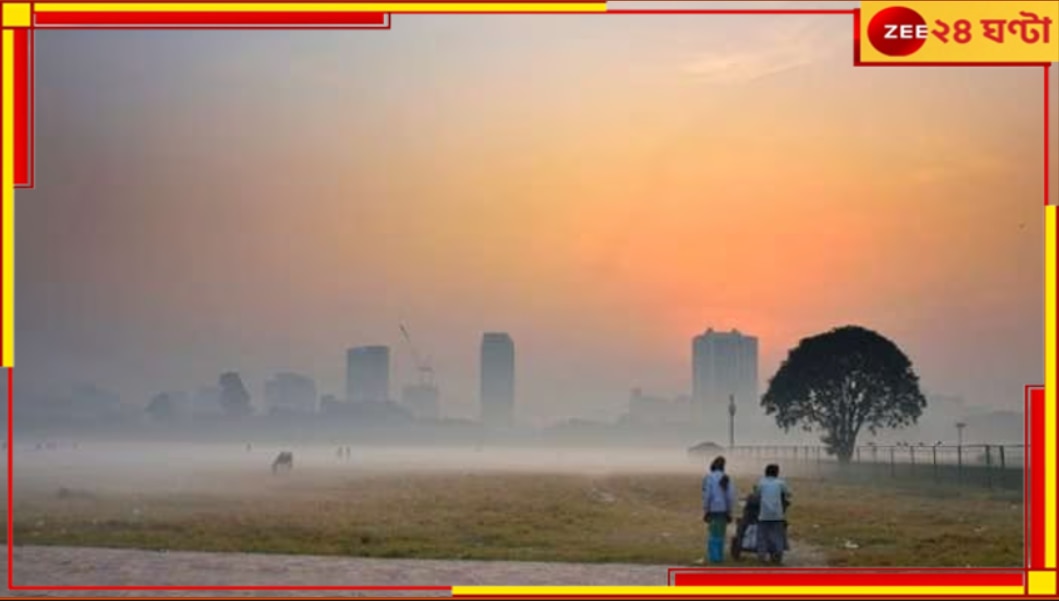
[655, 176]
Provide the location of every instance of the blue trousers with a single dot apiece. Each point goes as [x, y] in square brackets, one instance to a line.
[715, 540]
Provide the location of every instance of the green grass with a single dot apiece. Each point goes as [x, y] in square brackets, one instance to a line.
[640, 519]
[936, 526]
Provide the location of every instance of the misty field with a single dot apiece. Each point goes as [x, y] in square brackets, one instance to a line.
[531, 513]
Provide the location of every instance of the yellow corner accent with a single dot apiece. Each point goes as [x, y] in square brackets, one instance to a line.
[17, 14]
[1042, 583]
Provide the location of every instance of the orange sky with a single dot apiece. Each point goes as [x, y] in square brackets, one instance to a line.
[603, 188]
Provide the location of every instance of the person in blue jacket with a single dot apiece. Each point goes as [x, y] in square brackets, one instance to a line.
[718, 501]
[772, 520]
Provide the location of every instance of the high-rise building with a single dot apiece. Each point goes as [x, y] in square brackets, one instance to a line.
[724, 364]
[291, 393]
[497, 379]
[368, 374]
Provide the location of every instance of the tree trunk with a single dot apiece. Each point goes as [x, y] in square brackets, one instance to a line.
[844, 451]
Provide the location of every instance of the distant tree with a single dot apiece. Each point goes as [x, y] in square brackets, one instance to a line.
[161, 407]
[235, 400]
[843, 381]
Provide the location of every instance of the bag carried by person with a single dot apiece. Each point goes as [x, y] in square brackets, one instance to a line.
[749, 541]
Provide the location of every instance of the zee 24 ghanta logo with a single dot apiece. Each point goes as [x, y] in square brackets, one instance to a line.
[900, 31]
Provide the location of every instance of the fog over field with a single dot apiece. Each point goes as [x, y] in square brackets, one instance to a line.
[150, 463]
[508, 504]
[225, 470]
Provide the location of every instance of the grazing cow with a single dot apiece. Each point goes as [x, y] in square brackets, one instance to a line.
[284, 460]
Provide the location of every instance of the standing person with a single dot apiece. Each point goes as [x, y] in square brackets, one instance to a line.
[772, 518]
[718, 499]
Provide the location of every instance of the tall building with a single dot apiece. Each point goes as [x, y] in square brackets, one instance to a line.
[497, 379]
[368, 374]
[290, 393]
[723, 364]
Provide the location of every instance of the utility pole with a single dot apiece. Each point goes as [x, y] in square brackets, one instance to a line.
[731, 421]
[959, 448]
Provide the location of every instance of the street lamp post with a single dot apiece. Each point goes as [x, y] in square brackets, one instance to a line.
[731, 421]
[959, 448]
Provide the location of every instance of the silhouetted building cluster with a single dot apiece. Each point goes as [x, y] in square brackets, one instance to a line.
[421, 400]
[289, 392]
[654, 410]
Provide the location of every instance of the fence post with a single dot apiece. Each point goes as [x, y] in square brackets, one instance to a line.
[934, 457]
[1003, 464]
[989, 466]
[893, 466]
[959, 462]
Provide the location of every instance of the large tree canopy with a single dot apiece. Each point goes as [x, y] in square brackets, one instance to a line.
[843, 381]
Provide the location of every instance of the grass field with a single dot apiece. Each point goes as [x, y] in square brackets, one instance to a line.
[517, 516]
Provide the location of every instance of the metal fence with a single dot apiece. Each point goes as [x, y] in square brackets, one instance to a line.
[999, 466]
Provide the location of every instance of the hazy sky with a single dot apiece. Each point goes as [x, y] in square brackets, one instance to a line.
[601, 187]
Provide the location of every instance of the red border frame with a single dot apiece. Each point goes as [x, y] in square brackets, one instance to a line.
[24, 178]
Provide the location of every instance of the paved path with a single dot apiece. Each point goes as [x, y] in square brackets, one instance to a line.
[77, 566]
[67, 566]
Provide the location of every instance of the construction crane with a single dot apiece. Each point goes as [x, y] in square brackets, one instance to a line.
[426, 372]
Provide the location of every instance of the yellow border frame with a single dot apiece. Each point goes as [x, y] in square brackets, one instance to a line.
[7, 195]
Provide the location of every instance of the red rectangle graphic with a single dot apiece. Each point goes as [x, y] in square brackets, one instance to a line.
[23, 155]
